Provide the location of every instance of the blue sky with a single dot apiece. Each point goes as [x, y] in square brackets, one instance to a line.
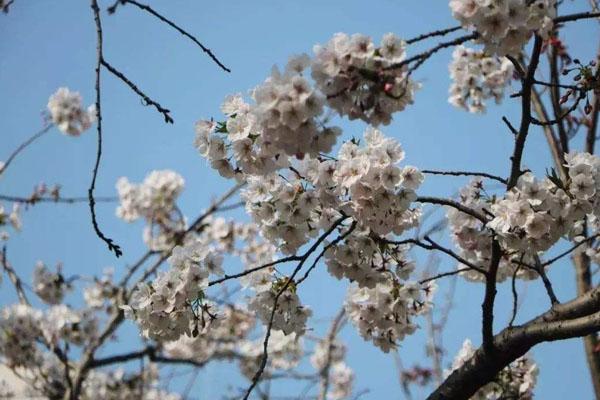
[48, 44]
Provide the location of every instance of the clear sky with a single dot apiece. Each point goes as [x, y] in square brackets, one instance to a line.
[48, 44]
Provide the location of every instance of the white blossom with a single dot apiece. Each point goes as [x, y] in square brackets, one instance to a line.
[67, 112]
[505, 26]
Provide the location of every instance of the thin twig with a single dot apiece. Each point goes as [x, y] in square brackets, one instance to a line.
[147, 100]
[92, 202]
[570, 250]
[178, 29]
[441, 32]
[445, 274]
[50, 199]
[265, 355]
[465, 173]
[453, 204]
[23, 146]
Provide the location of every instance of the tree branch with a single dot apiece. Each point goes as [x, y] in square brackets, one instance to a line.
[147, 100]
[150, 10]
[23, 146]
[465, 173]
[92, 202]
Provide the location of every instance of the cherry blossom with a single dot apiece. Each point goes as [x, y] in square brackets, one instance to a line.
[67, 112]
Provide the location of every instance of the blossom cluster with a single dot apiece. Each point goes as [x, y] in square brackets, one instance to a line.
[221, 341]
[477, 77]
[67, 113]
[474, 238]
[174, 303]
[351, 75]
[368, 260]
[505, 27]
[383, 314]
[535, 214]
[515, 381]
[285, 352]
[361, 80]
[119, 384]
[64, 323]
[363, 182]
[13, 218]
[50, 286]
[154, 200]
[286, 109]
[283, 305]
[20, 327]
[102, 293]
[529, 219]
[328, 357]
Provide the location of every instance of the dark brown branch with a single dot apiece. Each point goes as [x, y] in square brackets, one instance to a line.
[575, 17]
[324, 250]
[92, 202]
[120, 358]
[150, 10]
[570, 250]
[465, 173]
[147, 100]
[525, 114]
[434, 246]
[441, 32]
[487, 307]
[515, 296]
[540, 269]
[453, 204]
[50, 199]
[558, 121]
[510, 344]
[445, 274]
[511, 128]
[252, 270]
[265, 355]
[557, 154]
[420, 58]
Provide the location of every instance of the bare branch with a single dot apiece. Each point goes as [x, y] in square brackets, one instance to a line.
[23, 146]
[575, 17]
[441, 32]
[465, 173]
[570, 250]
[525, 114]
[150, 10]
[147, 100]
[92, 202]
[51, 199]
[487, 307]
[453, 204]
